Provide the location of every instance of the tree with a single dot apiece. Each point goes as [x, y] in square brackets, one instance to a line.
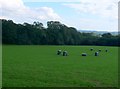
[55, 34]
[38, 25]
[107, 35]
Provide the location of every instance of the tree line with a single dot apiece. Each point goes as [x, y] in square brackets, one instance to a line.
[55, 33]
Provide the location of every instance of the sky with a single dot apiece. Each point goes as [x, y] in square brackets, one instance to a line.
[98, 15]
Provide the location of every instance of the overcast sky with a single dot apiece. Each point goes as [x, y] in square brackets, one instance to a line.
[100, 15]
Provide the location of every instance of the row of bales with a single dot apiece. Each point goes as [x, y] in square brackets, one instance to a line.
[99, 50]
[65, 53]
[96, 53]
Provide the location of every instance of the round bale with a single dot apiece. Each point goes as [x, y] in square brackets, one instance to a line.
[106, 50]
[100, 50]
[59, 52]
[96, 53]
[84, 54]
[65, 53]
[91, 49]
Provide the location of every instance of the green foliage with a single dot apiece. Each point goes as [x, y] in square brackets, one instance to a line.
[55, 34]
[40, 66]
[0, 66]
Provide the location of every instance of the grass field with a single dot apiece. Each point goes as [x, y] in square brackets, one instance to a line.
[39, 66]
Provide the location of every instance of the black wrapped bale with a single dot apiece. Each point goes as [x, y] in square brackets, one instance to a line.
[59, 52]
[106, 50]
[65, 53]
[91, 49]
[96, 53]
[84, 54]
[100, 50]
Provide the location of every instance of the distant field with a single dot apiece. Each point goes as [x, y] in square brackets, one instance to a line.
[39, 66]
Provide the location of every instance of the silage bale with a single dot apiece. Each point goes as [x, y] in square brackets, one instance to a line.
[84, 54]
[59, 52]
[106, 50]
[65, 53]
[96, 53]
[99, 50]
[91, 49]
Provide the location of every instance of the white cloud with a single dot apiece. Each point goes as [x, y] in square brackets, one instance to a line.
[17, 11]
[93, 24]
[100, 24]
[104, 8]
[51, 0]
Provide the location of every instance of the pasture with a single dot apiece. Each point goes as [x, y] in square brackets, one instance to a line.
[40, 66]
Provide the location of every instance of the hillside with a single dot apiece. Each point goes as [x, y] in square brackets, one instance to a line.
[98, 32]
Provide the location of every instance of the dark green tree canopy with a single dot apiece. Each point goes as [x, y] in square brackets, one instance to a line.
[56, 33]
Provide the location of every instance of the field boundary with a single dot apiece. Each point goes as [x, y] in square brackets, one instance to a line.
[59, 88]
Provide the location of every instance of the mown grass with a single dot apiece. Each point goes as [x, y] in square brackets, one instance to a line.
[39, 66]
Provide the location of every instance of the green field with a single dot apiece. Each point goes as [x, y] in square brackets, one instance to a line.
[39, 66]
